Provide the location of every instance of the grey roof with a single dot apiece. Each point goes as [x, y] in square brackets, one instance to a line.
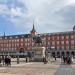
[58, 33]
[16, 36]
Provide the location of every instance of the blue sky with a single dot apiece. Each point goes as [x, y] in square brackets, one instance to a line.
[16, 16]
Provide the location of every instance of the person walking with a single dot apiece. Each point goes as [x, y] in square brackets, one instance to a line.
[26, 59]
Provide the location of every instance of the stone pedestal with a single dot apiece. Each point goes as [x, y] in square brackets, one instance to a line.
[39, 53]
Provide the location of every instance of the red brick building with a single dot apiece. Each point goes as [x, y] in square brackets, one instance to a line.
[59, 43]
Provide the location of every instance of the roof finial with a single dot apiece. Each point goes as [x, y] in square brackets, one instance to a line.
[4, 34]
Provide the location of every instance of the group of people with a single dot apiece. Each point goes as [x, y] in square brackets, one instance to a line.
[6, 60]
[67, 59]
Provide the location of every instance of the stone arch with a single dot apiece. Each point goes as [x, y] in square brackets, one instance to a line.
[58, 54]
[53, 54]
[73, 53]
[21, 50]
[62, 53]
[67, 53]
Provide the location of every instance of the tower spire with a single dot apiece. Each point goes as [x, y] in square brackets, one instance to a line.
[74, 28]
[33, 29]
[33, 26]
[4, 34]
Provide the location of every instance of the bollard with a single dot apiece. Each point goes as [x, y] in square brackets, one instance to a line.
[18, 59]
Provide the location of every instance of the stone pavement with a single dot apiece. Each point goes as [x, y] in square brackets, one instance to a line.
[39, 68]
[65, 70]
[30, 69]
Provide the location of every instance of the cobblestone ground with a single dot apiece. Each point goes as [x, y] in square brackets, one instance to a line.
[39, 68]
[29, 69]
[65, 70]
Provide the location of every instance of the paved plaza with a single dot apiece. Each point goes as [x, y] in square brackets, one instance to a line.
[38, 68]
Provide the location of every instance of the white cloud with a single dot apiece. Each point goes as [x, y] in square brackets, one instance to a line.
[3, 8]
[15, 12]
[46, 14]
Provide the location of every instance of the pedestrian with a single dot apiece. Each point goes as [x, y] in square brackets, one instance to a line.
[0, 59]
[3, 59]
[9, 60]
[64, 59]
[26, 59]
[44, 60]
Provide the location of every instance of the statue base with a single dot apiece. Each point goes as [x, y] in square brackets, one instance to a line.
[39, 53]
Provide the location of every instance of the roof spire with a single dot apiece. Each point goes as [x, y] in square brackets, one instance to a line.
[33, 29]
[4, 34]
[33, 25]
[74, 28]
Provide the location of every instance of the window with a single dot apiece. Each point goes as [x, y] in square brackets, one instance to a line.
[44, 38]
[5, 37]
[28, 39]
[48, 38]
[32, 44]
[28, 44]
[67, 37]
[17, 40]
[67, 47]
[67, 42]
[53, 43]
[57, 42]
[21, 44]
[6, 45]
[25, 40]
[25, 44]
[48, 43]
[16, 36]
[17, 44]
[57, 47]
[62, 37]
[72, 42]
[57, 37]
[10, 37]
[6, 49]
[22, 39]
[62, 42]
[72, 36]
[22, 36]
[1, 45]
[15, 48]
[12, 45]
[12, 49]
[13, 40]
[2, 49]
[9, 40]
[62, 47]
[9, 45]
[52, 37]
[72, 47]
